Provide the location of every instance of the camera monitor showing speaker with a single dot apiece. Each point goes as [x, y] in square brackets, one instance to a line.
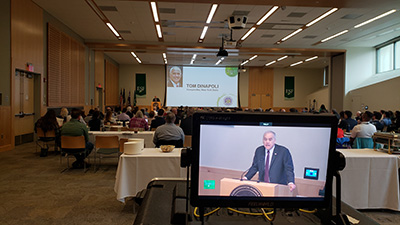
[262, 159]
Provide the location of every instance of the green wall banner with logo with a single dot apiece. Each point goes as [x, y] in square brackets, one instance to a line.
[140, 85]
[289, 88]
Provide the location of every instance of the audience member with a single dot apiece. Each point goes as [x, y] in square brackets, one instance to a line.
[75, 128]
[48, 122]
[169, 132]
[343, 123]
[186, 123]
[139, 121]
[63, 117]
[124, 116]
[386, 119]
[89, 116]
[376, 117]
[159, 119]
[95, 123]
[152, 114]
[109, 118]
[352, 122]
[129, 112]
[365, 129]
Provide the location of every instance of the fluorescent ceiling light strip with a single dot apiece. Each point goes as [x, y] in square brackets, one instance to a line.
[292, 34]
[322, 16]
[272, 10]
[138, 60]
[254, 56]
[282, 58]
[194, 57]
[192, 61]
[203, 33]
[159, 33]
[333, 36]
[113, 29]
[155, 13]
[134, 55]
[244, 62]
[295, 64]
[248, 33]
[375, 18]
[164, 55]
[96, 9]
[312, 58]
[212, 12]
[270, 63]
[219, 61]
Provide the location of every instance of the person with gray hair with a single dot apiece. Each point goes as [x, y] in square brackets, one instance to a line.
[272, 162]
[174, 77]
[169, 133]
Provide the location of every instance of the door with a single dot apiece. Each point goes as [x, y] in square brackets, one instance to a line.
[24, 106]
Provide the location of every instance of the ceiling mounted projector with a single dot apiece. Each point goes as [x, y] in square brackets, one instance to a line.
[222, 52]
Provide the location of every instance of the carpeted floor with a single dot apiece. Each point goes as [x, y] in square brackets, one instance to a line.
[33, 191]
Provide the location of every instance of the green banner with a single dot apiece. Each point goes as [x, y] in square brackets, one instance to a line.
[141, 84]
[289, 88]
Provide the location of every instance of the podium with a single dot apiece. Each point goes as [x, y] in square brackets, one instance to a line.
[249, 188]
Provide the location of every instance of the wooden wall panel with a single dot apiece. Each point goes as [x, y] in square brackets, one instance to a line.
[261, 87]
[99, 78]
[26, 47]
[5, 128]
[66, 70]
[111, 84]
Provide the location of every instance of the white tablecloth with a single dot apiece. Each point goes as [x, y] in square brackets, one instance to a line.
[136, 171]
[146, 135]
[370, 179]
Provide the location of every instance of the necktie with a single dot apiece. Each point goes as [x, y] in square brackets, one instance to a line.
[266, 176]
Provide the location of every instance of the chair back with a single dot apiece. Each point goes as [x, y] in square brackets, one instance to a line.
[188, 141]
[107, 142]
[153, 129]
[363, 143]
[73, 142]
[177, 143]
[118, 128]
[41, 133]
[121, 144]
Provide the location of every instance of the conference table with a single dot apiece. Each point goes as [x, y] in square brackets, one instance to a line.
[370, 179]
[134, 172]
[146, 135]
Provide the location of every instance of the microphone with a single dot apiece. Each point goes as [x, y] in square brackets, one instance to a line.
[241, 176]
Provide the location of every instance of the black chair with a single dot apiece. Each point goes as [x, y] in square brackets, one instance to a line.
[177, 143]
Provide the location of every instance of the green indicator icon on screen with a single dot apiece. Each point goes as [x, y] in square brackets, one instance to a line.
[209, 184]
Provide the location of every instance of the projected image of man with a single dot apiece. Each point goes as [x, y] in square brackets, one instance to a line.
[175, 77]
[272, 162]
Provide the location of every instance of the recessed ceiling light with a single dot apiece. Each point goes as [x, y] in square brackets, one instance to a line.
[154, 10]
[248, 33]
[159, 33]
[268, 14]
[312, 58]
[295, 64]
[292, 34]
[375, 18]
[282, 58]
[321, 17]
[254, 56]
[335, 35]
[270, 63]
[212, 12]
[112, 29]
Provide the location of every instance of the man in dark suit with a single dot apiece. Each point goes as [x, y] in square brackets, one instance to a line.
[272, 162]
[175, 77]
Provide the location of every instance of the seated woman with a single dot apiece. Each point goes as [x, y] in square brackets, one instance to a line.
[109, 118]
[138, 121]
[95, 123]
[63, 117]
[47, 123]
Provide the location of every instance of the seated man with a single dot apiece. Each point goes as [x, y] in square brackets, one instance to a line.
[376, 117]
[169, 132]
[75, 128]
[363, 130]
[158, 120]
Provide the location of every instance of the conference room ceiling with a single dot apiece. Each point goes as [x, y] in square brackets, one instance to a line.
[182, 23]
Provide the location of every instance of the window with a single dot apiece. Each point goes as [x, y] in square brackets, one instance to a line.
[385, 58]
[388, 56]
[397, 55]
